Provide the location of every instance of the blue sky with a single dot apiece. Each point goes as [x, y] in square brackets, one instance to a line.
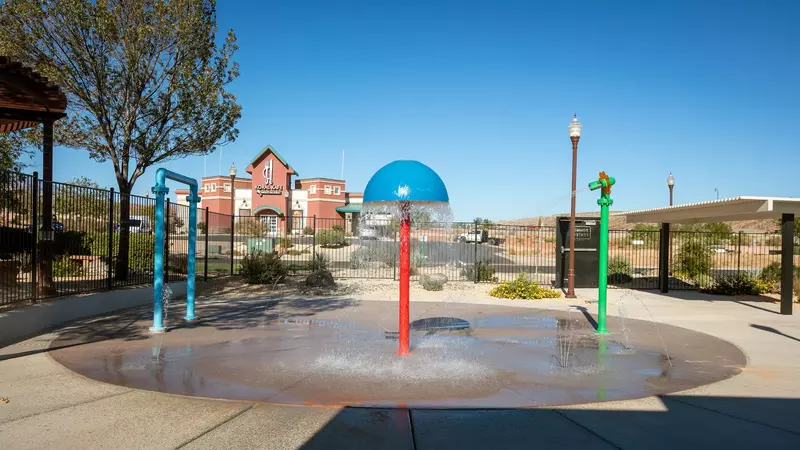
[483, 91]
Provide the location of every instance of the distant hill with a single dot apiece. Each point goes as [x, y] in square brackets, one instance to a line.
[619, 223]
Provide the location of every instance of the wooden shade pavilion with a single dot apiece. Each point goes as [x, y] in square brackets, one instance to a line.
[26, 100]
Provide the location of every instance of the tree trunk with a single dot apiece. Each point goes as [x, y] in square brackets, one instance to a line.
[123, 250]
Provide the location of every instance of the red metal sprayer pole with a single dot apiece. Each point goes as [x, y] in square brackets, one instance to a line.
[405, 272]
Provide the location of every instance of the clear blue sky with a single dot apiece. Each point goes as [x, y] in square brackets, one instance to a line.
[483, 91]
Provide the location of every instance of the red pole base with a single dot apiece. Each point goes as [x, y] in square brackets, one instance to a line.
[405, 273]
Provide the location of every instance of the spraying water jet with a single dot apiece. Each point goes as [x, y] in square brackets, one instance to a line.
[396, 190]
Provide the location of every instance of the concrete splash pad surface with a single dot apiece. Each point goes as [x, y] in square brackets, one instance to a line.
[337, 352]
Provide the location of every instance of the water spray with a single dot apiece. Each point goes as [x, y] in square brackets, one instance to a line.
[395, 189]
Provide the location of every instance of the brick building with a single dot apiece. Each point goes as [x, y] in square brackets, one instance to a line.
[276, 196]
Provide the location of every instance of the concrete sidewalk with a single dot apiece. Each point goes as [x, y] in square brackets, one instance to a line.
[52, 407]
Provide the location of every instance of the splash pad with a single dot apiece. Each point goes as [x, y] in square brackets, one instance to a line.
[329, 352]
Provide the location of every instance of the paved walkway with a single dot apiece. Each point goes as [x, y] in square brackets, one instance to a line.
[52, 407]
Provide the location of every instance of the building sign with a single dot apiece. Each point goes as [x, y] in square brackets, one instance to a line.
[583, 233]
[269, 189]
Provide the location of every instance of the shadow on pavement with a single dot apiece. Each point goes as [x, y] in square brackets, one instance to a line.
[773, 330]
[688, 422]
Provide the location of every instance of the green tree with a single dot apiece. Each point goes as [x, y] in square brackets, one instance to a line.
[145, 80]
[81, 198]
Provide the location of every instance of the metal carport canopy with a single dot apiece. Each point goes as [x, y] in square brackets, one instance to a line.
[726, 210]
[722, 210]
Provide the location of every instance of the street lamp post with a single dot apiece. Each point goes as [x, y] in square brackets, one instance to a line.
[574, 136]
[232, 173]
[671, 184]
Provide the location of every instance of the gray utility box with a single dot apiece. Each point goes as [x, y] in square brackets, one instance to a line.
[587, 256]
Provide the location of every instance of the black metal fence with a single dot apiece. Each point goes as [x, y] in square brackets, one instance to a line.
[88, 231]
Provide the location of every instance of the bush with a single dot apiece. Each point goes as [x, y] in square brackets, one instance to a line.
[693, 260]
[740, 284]
[286, 242]
[433, 282]
[251, 227]
[64, 267]
[294, 252]
[338, 228]
[620, 270]
[330, 238]
[263, 268]
[771, 275]
[179, 263]
[361, 256]
[201, 227]
[703, 282]
[319, 262]
[523, 288]
[485, 272]
[647, 233]
[308, 231]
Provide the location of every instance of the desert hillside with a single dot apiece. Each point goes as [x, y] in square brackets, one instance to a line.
[618, 223]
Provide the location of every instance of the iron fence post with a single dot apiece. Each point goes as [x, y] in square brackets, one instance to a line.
[35, 237]
[110, 249]
[233, 237]
[475, 262]
[166, 244]
[739, 255]
[314, 241]
[394, 260]
[205, 250]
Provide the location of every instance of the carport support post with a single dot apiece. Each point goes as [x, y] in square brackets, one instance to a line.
[787, 272]
[663, 259]
[158, 276]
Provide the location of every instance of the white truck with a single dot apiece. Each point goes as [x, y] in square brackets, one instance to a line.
[479, 236]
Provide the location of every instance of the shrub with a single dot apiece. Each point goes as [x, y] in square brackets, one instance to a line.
[337, 228]
[740, 284]
[263, 268]
[179, 263]
[771, 273]
[620, 270]
[647, 233]
[286, 242]
[65, 267]
[772, 276]
[251, 227]
[704, 282]
[523, 288]
[308, 231]
[484, 270]
[330, 238]
[319, 262]
[433, 282]
[693, 259]
[361, 256]
[293, 252]
[201, 227]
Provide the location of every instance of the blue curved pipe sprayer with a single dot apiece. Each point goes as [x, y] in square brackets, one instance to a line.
[160, 190]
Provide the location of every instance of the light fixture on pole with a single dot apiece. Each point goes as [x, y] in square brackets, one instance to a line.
[232, 173]
[671, 184]
[574, 136]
